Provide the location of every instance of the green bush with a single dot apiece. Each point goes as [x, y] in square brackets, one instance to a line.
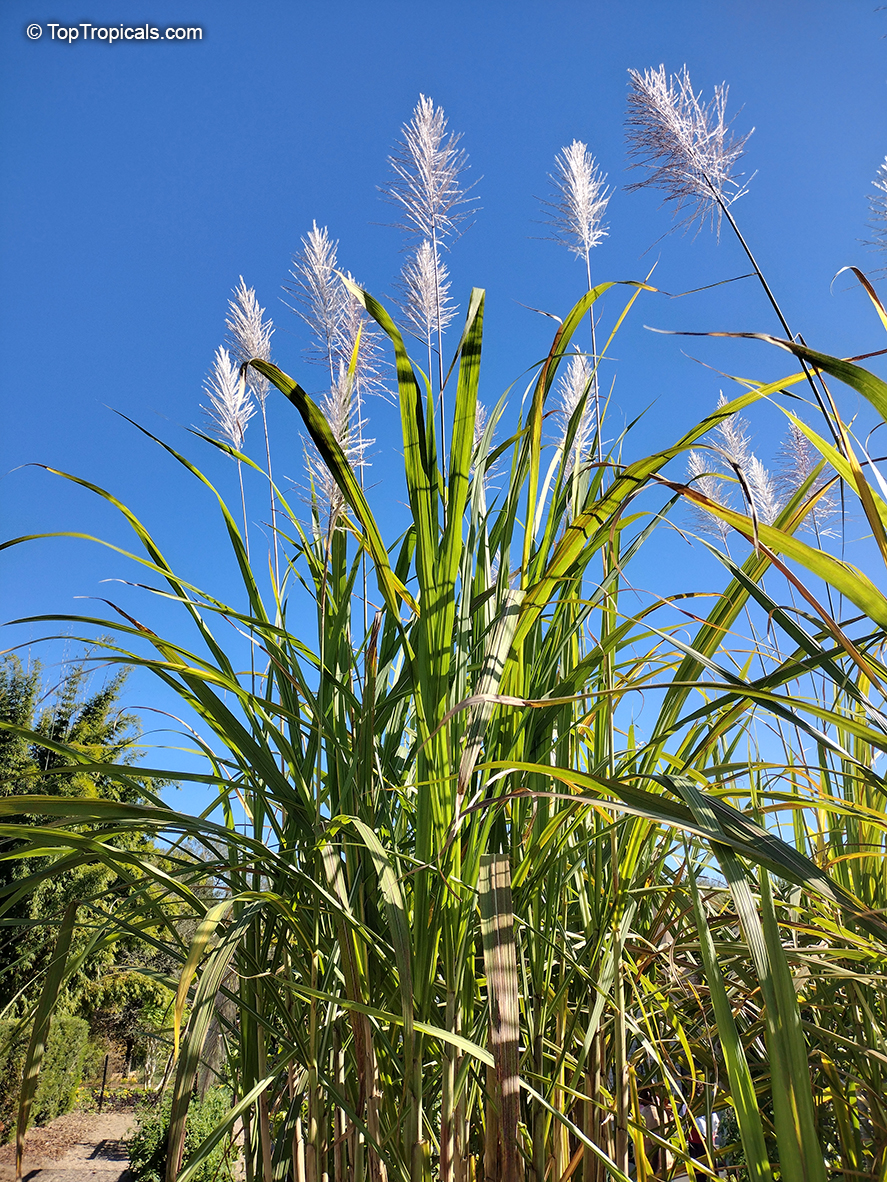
[147, 1146]
[60, 1074]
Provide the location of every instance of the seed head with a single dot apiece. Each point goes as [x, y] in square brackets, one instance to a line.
[729, 454]
[424, 282]
[731, 438]
[319, 294]
[580, 200]
[701, 475]
[427, 164]
[572, 388]
[341, 407]
[230, 403]
[878, 209]
[762, 488]
[249, 335]
[797, 458]
[686, 145]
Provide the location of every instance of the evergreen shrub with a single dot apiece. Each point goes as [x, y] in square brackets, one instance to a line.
[60, 1076]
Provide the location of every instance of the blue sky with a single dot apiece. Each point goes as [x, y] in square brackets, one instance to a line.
[140, 180]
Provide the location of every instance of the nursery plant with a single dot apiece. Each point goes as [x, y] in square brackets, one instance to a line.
[513, 877]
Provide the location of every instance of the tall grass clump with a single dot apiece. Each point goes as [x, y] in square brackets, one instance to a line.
[517, 875]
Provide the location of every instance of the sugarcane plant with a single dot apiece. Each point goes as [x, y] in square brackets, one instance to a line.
[476, 913]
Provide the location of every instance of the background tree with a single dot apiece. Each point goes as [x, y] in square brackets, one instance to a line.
[40, 725]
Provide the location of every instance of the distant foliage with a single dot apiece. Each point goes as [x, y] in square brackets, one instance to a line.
[60, 1074]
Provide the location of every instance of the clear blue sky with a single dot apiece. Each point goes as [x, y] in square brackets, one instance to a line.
[140, 180]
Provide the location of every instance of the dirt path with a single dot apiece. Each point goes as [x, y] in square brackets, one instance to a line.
[73, 1147]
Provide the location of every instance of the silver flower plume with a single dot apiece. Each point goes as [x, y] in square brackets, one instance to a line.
[424, 282]
[427, 165]
[230, 403]
[878, 209]
[342, 408]
[319, 294]
[580, 200]
[575, 385]
[685, 144]
[249, 335]
[729, 454]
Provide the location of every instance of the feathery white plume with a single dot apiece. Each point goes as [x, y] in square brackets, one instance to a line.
[333, 314]
[342, 410]
[731, 438]
[730, 454]
[580, 200]
[231, 406]
[878, 209]
[762, 488]
[686, 145]
[320, 294]
[798, 457]
[699, 471]
[427, 164]
[480, 423]
[357, 331]
[250, 335]
[425, 285]
[572, 388]
[731, 441]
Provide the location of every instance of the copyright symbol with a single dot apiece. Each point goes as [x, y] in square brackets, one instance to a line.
[34, 32]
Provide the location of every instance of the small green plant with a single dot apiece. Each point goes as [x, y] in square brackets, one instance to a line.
[148, 1145]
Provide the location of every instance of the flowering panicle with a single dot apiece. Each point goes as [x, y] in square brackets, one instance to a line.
[699, 471]
[878, 209]
[427, 164]
[249, 335]
[797, 460]
[730, 454]
[762, 488]
[358, 331]
[333, 314]
[342, 410]
[320, 295]
[580, 200]
[685, 144]
[347, 343]
[731, 438]
[230, 402]
[572, 388]
[424, 283]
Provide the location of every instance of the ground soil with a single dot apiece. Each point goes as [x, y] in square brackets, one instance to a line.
[79, 1145]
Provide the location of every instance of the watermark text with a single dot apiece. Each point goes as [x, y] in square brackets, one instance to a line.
[111, 33]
